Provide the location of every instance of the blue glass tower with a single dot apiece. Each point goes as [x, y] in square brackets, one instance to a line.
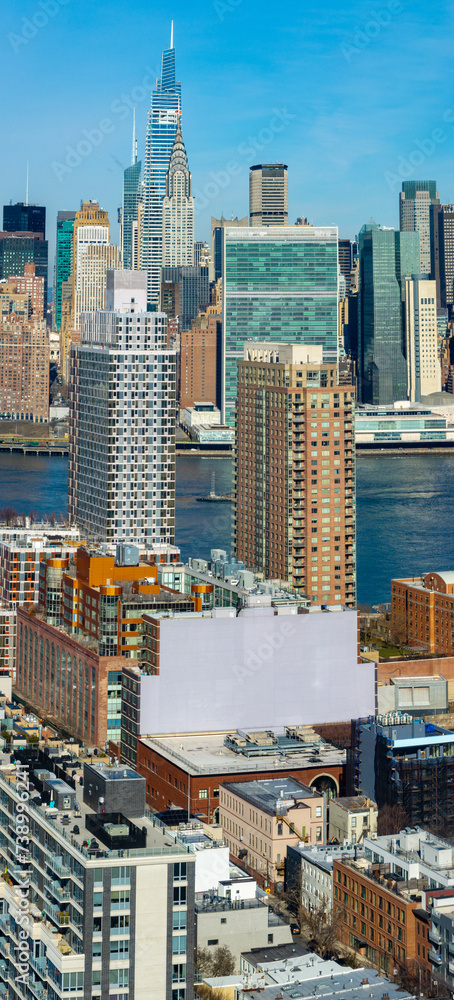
[280, 284]
[132, 192]
[161, 129]
[386, 257]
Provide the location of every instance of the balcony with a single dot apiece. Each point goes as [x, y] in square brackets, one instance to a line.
[434, 957]
[56, 864]
[38, 988]
[39, 964]
[451, 968]
[58, 916]
[59, 892]
[434, 935]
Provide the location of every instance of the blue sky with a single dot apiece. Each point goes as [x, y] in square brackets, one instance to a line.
[353, 101]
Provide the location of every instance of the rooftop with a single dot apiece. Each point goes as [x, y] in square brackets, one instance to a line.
[70, 825]
[273, 795]
[356, 984]
[355, 803]
[323, 857]
[274, 953]
[200, 754]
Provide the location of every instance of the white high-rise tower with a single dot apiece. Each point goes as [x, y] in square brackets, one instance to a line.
[122, 420]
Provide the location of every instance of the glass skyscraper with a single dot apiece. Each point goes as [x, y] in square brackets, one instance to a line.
[132, 193]
[63, 259]
[161, 130]
[280, 284]
[386, 258]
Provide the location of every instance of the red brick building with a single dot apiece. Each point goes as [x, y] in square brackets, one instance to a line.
[176, 775]
[381, 919]
[63, 680]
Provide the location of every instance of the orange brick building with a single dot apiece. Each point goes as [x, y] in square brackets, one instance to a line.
[422, 612]
[379, 917]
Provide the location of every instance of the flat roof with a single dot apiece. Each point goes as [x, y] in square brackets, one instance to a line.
[355, 803]
[323, 857]
[271, 793]
[199, 754]
[354, 983]
[274, 953]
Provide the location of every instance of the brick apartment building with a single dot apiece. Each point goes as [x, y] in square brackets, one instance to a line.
[295, 434]
[379, 918]
[63, 679]
[422, 612]
[186, 772]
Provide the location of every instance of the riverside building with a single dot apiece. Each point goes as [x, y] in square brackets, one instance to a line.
[109, 898]
[122, 420]
[294, 516]
[280, 283]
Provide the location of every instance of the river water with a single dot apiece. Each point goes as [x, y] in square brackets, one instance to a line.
[405, 510]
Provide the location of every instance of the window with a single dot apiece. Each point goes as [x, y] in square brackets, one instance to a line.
[179, 871]
[203, 793]
[179, 895]
[318, 811]
[223, 920]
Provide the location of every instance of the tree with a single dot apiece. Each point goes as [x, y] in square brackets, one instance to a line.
[322, 926]
[391, 819]
[210, 963]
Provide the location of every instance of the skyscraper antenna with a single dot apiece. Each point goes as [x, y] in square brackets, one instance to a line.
[171, 36]
[134, 153]
[26, 188]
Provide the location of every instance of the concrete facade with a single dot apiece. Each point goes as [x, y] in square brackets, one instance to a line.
[239, 926]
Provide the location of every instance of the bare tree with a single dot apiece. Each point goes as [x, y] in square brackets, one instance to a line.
[323, 927]
[391, 819]
[220, 962]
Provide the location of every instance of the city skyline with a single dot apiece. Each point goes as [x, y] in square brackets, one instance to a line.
[347, 122]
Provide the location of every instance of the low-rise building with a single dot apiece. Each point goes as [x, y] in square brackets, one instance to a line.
[332, 982]
[422, 611]
[376, 911]
[439, 907]
[186, 771]
[400, 425]
[309, 874]
[351, 818]
[414, 854]
[405, 761]
[238, 924]
[423, 695]
[100, 901]
[260, 819]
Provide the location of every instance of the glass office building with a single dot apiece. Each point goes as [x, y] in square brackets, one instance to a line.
[280, 284]
[386, 258]
[132, 193]
[63, 259]
[161, 131]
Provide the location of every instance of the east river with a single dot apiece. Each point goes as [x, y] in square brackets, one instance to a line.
[405, 510]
